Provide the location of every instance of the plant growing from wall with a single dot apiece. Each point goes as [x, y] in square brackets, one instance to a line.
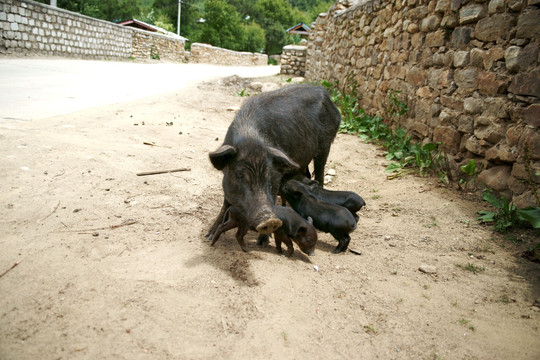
[469, 176]
[154, 53]
[398, 143]
[506, 215]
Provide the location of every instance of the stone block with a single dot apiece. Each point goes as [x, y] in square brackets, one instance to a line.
[420, 129]
[531, 115]
[466, 124]
[492, 55]
[430, 23]
[494, 27]
[502, 153]
[517, 186]
[435, 39]
[519, 59]
[466, 79]
[477, 57]
[531, 140]
[527, 84]
[476, 146]
[491, 84]
[461, 37]
[450, 21]
[472, 13]
[452, 102]
[417, 13]
[489, 129]
[528, 26]
[461, 59]
[496, 177]
[496, 6]
[449, 137]
[524, 200]
[472, 105]
[416, 76]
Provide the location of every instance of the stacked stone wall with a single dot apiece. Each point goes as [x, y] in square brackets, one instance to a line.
[208, 54]
[469, 71]
[32, 28]
[293, 60]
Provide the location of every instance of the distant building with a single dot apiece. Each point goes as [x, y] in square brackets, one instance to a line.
[138, 24]
[299, 29]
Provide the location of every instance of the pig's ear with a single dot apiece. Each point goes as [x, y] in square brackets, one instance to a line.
[221, 156]
[280, 155]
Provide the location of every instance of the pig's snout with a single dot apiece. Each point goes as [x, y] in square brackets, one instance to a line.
[269, 226]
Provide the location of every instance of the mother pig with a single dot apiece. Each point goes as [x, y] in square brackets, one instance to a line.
[273, 135]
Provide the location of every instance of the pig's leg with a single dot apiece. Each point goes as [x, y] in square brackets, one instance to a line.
[229, 224]
[318, 163]
[278, 236]
[218, 221]
[344, 240]
[290, 248]
[242, 231]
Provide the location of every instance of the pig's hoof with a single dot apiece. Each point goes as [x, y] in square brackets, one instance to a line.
[269, 226]
[338, 250]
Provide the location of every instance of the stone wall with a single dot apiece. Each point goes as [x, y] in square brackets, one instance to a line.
[32, 28]
[208, 54]
[293, 60]
[469, 71]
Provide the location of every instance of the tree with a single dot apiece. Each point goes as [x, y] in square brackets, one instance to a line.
[111, 10]
[221, 26]
[255, 38]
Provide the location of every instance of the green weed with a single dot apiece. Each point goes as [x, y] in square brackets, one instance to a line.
[506, 215]
[471, 267]
[243, 93]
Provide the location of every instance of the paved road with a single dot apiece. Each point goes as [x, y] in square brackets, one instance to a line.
[32, 89]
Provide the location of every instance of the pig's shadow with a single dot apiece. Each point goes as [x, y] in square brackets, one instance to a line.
[227, 256]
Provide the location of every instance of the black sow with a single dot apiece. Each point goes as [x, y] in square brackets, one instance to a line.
[273, 135]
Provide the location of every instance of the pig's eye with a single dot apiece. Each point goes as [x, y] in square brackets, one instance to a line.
[239, 176]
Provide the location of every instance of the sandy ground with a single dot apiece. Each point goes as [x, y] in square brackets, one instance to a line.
[112, 265]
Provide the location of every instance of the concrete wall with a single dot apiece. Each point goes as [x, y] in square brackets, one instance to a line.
[208, 54]
[469, 71]
[31, 28]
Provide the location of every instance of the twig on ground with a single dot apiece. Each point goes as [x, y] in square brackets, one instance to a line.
[62, 173]
[56, 207]
[162, 171]
[128, 199]
[124, 223]
[8, 270]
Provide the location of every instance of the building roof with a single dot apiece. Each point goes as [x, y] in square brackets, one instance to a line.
[300, 29]
[149, 27]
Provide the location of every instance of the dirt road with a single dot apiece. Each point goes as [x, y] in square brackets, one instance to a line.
[111, 265]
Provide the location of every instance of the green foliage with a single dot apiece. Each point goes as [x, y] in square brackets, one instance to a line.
[395, 106]
[154, 54]
[400, 149]
[254, 38]
[471, 267]
[111, 10]
[243, 93]
[470, 173]
[250, 25]
[506, 215]
[222, 26]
